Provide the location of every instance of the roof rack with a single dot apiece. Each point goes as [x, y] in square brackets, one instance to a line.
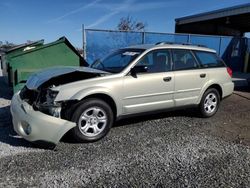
[172, 43]
[161, 43]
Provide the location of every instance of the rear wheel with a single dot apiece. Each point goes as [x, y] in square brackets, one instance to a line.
[94, 118]
[209, 103]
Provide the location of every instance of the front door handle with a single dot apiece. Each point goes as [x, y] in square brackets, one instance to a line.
[167, 79]
[203, 75]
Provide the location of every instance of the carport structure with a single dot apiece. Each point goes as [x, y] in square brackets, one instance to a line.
[232, 21]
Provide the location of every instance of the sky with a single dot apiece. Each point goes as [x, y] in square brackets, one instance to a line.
[22, 20]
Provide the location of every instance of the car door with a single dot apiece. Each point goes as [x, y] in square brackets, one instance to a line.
[151, 89]
[189, 77]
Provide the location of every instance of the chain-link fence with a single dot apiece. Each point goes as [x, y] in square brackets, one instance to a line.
[99, 43]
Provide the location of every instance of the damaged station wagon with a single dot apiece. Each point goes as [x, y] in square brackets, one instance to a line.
[146, 78]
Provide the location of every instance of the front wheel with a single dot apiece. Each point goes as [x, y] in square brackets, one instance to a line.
[94, 118]
[209, 103]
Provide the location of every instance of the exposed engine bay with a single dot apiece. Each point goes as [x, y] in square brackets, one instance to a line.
[40, 94]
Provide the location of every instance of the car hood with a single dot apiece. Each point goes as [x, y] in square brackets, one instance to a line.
[41, 77]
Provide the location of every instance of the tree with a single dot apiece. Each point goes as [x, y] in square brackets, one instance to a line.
[29, 41]
[130, 24]
[79, 50]
[4, 46]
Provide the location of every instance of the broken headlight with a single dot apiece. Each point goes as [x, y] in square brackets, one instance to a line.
[47, 97]
[46, 103]
[50, 96]
[55, 111]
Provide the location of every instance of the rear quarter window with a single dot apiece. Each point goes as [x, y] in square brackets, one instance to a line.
[208, 59]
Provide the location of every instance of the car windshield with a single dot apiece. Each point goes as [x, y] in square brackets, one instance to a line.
[117, 61]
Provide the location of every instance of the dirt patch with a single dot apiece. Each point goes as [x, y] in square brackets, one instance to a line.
[232, 122]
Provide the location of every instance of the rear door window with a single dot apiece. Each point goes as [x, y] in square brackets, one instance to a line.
[208, 59]
[184, 60]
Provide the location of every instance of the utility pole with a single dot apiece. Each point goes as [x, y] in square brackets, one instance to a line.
[84, 42]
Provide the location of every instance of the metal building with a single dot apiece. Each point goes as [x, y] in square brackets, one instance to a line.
[232, 21]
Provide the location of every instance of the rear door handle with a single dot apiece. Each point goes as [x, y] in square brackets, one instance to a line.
[203, 75]
[167, 79]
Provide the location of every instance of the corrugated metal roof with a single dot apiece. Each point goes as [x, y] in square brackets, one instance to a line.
[225, 12]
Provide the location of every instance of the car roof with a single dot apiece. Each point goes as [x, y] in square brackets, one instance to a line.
[172, 46]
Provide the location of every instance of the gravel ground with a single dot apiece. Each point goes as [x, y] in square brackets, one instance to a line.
[174, 149]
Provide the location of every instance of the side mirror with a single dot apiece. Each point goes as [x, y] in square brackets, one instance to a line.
[138, 69]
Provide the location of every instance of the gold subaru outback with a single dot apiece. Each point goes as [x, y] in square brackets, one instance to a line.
[140, 79]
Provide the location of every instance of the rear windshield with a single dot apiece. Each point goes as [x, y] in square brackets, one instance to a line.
[208, 59]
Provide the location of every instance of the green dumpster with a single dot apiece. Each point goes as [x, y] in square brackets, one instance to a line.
[13, 52]
[58, 53]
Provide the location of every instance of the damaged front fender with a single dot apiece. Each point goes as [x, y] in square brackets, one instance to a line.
[40, 90]
[36, 126]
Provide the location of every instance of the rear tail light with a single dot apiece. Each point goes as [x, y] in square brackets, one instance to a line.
[229, 71]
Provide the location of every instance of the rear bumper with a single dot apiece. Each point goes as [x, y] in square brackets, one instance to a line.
[228, 89]
[36, 126]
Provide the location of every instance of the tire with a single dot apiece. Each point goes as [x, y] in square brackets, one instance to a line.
[93, 118]
[210, 102]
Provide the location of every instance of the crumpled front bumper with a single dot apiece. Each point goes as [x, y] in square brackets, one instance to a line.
[41, 127]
